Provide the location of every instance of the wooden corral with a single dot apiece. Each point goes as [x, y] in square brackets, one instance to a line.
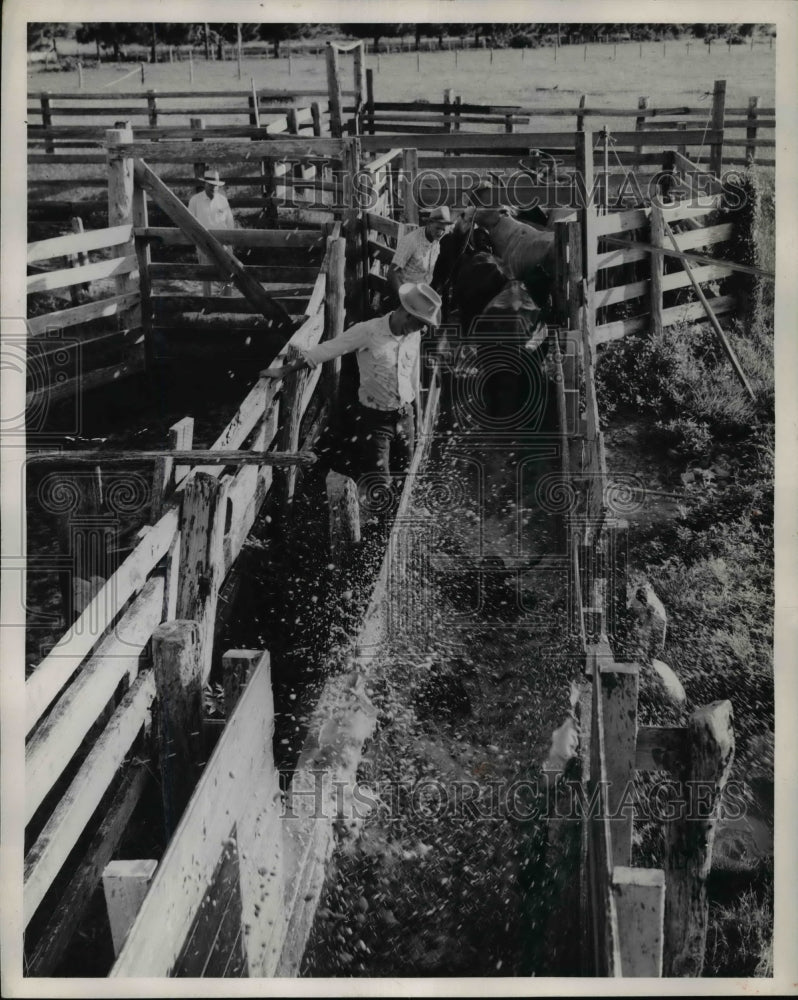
[144, 645]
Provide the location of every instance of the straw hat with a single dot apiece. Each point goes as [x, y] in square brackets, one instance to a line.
[440, 214]
[422, 301]
[212, 177]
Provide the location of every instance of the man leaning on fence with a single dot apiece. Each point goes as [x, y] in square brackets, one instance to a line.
[388, 356]
[417, 252]
[212, 209]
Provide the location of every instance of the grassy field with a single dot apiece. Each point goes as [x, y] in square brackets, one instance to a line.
[668, 73]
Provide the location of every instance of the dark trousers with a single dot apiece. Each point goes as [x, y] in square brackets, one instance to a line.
[387, 440]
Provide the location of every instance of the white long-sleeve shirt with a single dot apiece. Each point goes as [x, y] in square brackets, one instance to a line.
[389, 365]
[213, 213]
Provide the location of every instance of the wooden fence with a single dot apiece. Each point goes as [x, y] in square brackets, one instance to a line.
[175, 573]
[635, 921]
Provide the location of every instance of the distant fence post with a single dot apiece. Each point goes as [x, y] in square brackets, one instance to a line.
[409, 176]
[176, 650]
[640, 123]
[458, 100]
[201, 557]
[717, 124]
[334, 91]
[657, 237]
[447, 118]
[750, 132]
[47, 121]
[359, 76]
[580, 118]
[709, 751]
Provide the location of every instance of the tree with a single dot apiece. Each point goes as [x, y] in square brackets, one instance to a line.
[276, 33]
[43, 36]
[373, 31]
[111, 35]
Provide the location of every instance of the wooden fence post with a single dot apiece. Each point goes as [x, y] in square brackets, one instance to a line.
[574, 274]
[201, 558]
[344, 508]
[717, 123]
[657, 238]
[288, 435]
[120, 207]
[447, 117]
[125, 884]
[334, 91]
[370, 99]
[315, 111]
[47, 120]
[167, 475]
[143, 256]
[620, 684]
[587, 216]
[199, 167]
[77, 260]
[709, 745]
[359, 69]
[176, 651]
[152, 107]
[409, 176]
[640, 904]
[750, 132]
[640, 124]
[458, 100]
[334, 316]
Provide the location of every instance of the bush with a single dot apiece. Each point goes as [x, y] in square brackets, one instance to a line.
[521, 41]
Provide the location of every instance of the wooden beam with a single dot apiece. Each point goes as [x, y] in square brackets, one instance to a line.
[180, 215]
[619, 689]
[717, 123]
[657, 238]
[334, 91]
[239, 794]
[55, 742]
[97, 239]
[710, 752]
[193, 456]
[177, 665]
[344, 511]
[74, 901]
[46, 681]
[724, 340]
[85, 792]
[166, 474]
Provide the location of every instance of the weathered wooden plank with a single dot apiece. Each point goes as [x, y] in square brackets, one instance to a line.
[619, 688]
[298, 148]
[52, 280]
[687, 313]
[76, 898]
[64, 318]
[61, 832]
[710, 752]
[125, 884]
[54, 743]
[531, 140]
[235, 237]
[54, 671]
[640, 902]
[239, 786]
[70, 388]
[60, 246]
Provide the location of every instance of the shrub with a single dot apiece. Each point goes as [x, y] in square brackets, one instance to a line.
[521, 41]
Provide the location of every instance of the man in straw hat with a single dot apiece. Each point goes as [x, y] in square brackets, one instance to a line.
[212, 209]
[417, 251]
[388, 349]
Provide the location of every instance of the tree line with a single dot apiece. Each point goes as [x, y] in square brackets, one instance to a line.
[212, 37]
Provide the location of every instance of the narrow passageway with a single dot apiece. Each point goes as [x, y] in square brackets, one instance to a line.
[442, 869]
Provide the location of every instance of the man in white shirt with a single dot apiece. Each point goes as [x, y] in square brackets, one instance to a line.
[417, 251]
[388, 359]
[212, 209]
